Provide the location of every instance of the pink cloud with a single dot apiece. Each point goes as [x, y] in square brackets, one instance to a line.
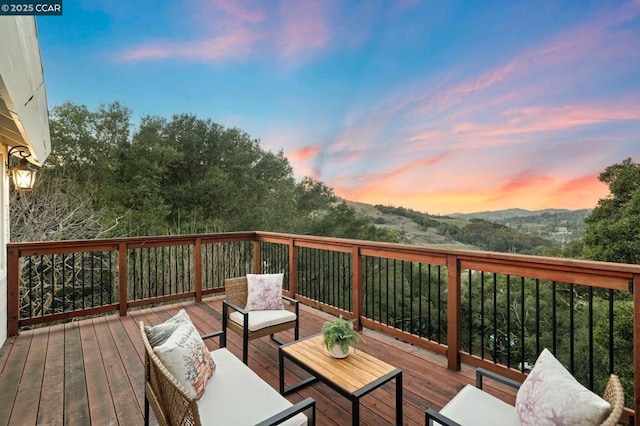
[231, 30]
[241, 10]
[536, 119]
[425, 136]
[523, 181]
[305, 153]
[302, 161]
[583, 185]
[303, 27]
[386, 182]
[236, 45]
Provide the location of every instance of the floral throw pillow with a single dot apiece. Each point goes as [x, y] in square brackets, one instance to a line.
[552, 396]
[187, 358]
[264, 292]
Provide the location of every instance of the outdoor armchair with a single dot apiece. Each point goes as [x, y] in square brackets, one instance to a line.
[473, 406]
[253, 324]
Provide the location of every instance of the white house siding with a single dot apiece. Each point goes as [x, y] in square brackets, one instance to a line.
[24, 118]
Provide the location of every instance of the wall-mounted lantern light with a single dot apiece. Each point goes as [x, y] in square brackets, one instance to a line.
[24, 175]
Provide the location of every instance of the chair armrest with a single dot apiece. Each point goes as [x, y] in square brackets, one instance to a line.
[290, 299]
[234, 307]
[431, 415]
[213, 334]
[308, 403]
[481, 372]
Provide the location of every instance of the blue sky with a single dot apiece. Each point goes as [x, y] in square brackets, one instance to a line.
[440, 106]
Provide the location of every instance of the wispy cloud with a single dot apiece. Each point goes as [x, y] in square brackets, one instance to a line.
[236, 45]
[231, 30]
[303, 160]
[304, 27]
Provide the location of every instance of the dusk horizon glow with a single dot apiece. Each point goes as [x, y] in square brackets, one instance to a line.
[441, 107]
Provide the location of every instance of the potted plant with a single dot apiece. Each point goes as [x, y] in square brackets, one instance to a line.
[338, 336]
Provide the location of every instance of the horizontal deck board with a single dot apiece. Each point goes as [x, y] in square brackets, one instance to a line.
[91, 371]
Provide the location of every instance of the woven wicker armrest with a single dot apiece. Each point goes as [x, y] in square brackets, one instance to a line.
[614, 395]
[431, 415]
[481, 372]
[305, 404]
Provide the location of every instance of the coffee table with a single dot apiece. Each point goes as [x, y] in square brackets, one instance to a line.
[353, 376]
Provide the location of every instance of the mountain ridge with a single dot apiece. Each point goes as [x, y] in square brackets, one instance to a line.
[512, 212]
[557, 225]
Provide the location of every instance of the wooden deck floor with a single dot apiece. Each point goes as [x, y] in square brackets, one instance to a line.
[91, 371]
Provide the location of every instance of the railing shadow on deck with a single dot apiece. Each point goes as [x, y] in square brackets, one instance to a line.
[485, 309]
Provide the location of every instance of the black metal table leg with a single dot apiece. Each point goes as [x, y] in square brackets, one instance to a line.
[399, 399]
[355, 408]
[281, 368]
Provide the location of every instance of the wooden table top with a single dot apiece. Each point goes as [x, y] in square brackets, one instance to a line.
[351, 374]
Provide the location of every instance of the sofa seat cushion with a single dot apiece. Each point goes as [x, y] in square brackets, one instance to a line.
[261, 319]
[238, 396]
[472, 406]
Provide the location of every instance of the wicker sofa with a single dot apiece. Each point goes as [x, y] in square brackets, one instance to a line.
[234, 396]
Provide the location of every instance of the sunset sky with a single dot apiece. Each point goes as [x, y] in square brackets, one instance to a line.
[440, 106]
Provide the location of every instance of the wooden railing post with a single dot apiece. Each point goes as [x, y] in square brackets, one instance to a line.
[257, 257]
[122, 278]
[453, 313]
[636, 349]
[13, 292]
[293, 268]
[356, 259]
[197, 268]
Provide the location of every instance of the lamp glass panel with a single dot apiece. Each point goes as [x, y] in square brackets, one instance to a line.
[23, 180]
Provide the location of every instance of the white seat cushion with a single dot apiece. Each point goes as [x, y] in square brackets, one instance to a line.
[472, 406]
[261, 319]
[238, 396]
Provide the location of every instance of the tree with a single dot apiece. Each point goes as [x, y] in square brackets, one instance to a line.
[54, 210]
[613, 227]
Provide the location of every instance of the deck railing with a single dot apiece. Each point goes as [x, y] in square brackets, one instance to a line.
[490, 310]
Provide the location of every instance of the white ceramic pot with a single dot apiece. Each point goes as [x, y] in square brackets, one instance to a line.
[336, 352]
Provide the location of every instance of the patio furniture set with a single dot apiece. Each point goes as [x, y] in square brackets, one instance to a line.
[186, 384]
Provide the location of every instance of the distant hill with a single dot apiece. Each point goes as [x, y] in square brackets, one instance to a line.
[559, 225]
[415, 231]
[513, 230]
[508, 213]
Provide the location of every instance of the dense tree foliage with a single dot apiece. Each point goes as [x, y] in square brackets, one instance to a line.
[496, 237]
[613, 227]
